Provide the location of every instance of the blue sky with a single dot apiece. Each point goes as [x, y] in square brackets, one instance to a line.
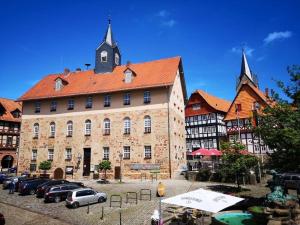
[42, 37]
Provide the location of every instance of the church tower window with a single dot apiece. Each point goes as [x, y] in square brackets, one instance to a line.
[104, 56]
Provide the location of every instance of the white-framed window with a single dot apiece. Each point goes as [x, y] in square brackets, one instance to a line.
[33, 154]
[68, 154]
[117, 59]
[104, 56]
[105, 153]
[147, 152]
[128, 76]
[52, 129]
[53, 106]
[58, 84]
[106, 126]
[147, 97]
[126, 99]
[50, 154]
[36, 128]
[127, 125]
[88, 127]
[107, 100]
[71, 104]
[37, 106]
[147, 124]
[89, 102]
[69, 128]
[126, 152]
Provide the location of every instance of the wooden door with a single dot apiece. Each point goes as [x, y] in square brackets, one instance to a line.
[86, 161]
[117, 172]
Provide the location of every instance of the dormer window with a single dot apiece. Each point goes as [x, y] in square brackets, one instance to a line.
[58, 84]
[196, 106]
[16, 113]
[117, 59]
[128, 76]
[104, 56]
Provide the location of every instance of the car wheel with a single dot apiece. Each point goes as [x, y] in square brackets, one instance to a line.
[32, 192]
[75, 205]
[101, 199]
[57, 199]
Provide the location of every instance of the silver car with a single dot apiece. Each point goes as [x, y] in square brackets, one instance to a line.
[84, 196]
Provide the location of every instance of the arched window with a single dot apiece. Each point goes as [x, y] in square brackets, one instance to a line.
[147, 124]
[117, 59]
[88, 127]
[69, 128]
[127, 125]
[104, 56]
[106, 125]
[36, 128]
[52, 129]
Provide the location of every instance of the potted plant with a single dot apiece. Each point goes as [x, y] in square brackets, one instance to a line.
[105, 165]
[45, 165]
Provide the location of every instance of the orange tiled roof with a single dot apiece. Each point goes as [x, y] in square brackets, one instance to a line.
[215, 102]
[245, 114]
[148, 74]
[10, 106]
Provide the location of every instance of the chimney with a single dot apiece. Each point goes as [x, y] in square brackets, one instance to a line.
[128, 63]
[78, 69]
[267, 92]
[66, 71]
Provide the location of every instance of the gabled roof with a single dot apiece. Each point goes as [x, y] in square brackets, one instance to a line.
[10, 106]
[149, 74]
[215, 102]
[258, 93]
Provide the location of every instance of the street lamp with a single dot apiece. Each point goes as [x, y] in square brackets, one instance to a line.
[79, 157]
[160, 192]
[121, 157]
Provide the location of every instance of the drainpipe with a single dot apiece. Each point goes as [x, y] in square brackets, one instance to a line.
[169, 134]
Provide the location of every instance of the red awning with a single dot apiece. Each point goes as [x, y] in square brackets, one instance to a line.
[215, 152]
[201, 151]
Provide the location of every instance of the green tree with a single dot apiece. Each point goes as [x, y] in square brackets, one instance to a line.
[279, 125]
[45, 165]
[235, 163]
[105, 165]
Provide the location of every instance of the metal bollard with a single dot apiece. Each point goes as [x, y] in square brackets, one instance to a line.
[88, 208]
[120, 218]
[102, 213]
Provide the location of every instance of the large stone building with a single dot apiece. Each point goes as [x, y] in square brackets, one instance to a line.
[241, 117]
[204, 114]
[132, 115]
[10, 118]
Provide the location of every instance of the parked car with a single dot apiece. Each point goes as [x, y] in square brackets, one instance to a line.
[291, 181]
[58, 193]
[23, 179]
[8, 180]
[84, 196]
[2, 219]
[40, 192]
[3, 176]
[30, 186]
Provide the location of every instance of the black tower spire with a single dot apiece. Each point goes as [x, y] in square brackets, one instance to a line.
[107, 54]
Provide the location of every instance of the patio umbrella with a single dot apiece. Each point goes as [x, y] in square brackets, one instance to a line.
[215, 152]
[201, 151]
[205, 200]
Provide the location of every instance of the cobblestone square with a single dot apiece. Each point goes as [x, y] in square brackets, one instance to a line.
[31, 210]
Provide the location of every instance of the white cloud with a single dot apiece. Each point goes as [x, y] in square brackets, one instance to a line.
[277, 36]
[247, 49]
[169, 23]
[163, 13]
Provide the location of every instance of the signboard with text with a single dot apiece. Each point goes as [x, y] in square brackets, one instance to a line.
[140, 166]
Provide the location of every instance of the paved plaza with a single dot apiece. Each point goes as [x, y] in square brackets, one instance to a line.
[31, 210]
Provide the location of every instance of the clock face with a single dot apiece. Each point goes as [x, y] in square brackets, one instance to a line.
[117, 59]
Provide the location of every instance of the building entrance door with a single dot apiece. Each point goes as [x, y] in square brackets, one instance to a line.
[117, 172]
[86, 161]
